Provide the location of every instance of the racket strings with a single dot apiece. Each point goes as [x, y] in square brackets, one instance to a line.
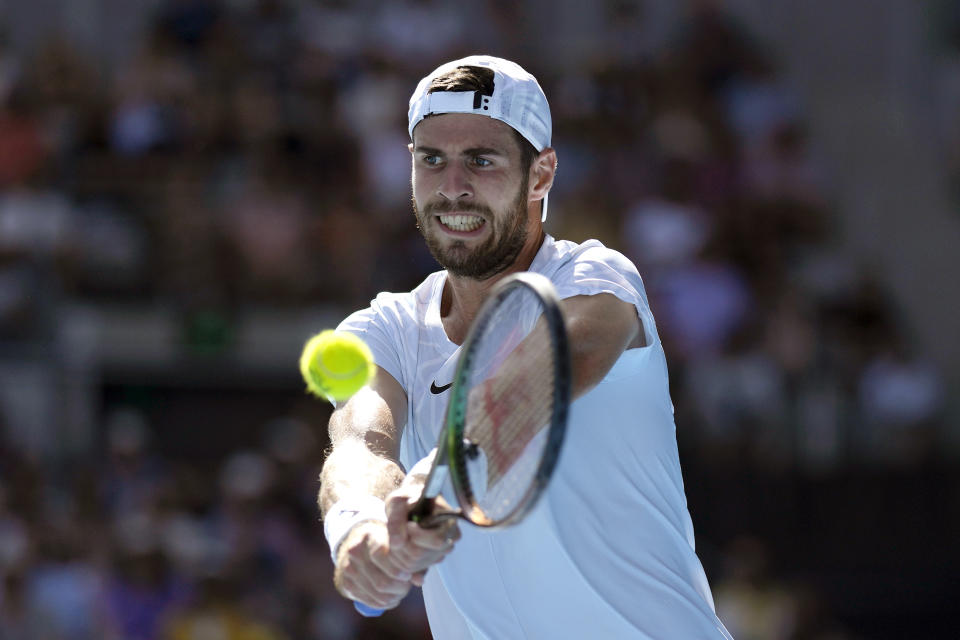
[506, 414]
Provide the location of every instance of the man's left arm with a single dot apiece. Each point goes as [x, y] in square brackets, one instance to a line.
[600, 328]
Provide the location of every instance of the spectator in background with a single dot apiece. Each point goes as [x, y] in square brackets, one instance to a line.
[756, 102]
[737, 403]
[36, 222]
[757, 605]
[140, 591]
[398, 29]
[63, 582]
[133, 476]
[145, 116]
[23, 150]
[750, 600]
[703, 303]
[216, 613]
[899, 399]
[267, 228]
[19, 618]
[669, 228]
[779, 168]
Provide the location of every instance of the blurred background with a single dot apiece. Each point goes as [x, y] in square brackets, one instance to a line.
[191, 188]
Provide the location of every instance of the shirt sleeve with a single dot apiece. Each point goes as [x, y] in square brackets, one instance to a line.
[379, 326]
[594, 269]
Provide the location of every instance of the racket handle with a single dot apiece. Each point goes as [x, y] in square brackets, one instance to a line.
[367, 611]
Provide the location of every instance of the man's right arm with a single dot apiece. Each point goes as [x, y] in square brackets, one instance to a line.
[376, 562]
[360, 472]
[365, 440]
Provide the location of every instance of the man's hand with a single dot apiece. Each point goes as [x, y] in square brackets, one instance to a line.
[377, 563]
[365, 570]
[414, 548]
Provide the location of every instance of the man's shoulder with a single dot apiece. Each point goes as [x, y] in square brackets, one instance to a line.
[393, 317]
[568, 252]
[408, 302]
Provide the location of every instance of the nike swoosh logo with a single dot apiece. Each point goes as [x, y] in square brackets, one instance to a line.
[434, 389]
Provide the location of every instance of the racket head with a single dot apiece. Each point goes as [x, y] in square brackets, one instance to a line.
[510, 397]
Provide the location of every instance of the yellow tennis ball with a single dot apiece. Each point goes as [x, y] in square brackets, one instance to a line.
[336, 364]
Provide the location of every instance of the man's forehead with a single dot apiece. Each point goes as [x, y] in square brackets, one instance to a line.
[463, 131]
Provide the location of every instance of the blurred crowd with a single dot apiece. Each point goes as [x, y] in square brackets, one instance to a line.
[251, 154]
[946, 42]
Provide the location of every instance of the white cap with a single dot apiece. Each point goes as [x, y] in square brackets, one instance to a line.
[517, 100]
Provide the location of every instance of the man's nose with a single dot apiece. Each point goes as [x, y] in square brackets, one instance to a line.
[455, 183]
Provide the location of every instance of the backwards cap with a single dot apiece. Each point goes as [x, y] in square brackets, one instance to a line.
[517, 100]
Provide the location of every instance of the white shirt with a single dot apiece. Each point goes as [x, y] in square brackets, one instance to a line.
[609, 550]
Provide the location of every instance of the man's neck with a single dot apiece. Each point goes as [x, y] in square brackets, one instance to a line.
[462, 297]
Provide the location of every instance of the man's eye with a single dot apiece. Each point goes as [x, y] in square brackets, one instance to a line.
[431, 160]
[481, 162]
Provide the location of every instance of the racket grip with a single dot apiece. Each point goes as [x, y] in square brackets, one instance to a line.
[367, 611]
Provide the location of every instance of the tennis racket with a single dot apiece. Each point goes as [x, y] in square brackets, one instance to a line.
[507, 411]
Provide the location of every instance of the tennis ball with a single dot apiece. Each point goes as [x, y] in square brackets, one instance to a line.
[336, 364]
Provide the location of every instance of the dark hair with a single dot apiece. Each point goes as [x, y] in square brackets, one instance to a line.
[468, 78]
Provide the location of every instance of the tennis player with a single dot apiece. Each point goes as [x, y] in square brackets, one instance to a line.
[609, 550]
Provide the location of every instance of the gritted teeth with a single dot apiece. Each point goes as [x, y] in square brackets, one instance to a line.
[460, 222]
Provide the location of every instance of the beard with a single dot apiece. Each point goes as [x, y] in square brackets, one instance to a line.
[496, 254]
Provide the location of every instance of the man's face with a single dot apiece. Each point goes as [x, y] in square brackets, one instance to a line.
[470, 194]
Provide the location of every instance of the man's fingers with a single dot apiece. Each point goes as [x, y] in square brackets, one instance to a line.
[397, 508]
[375, 594]
[412, 548]
[359, 577]
[388, 560]
[441, 537]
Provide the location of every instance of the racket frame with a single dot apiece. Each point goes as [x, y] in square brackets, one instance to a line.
[451, 457]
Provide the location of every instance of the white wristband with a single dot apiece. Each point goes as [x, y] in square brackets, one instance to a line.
[347, 513]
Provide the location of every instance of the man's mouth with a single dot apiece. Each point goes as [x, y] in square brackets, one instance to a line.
[460, 221]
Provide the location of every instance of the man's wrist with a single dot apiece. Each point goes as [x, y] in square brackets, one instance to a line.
[345, 514]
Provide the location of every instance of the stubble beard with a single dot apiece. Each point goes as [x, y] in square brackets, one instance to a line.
[497, 253]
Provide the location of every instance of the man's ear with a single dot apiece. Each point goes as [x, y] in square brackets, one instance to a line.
[542, 171]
